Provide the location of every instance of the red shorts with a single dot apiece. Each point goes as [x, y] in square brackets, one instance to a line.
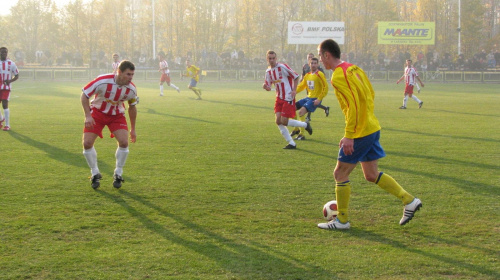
[113, 122]
[409, 90]
[285, 108]
[165, 78]
[4, 94]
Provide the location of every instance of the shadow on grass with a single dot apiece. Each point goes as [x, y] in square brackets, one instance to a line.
[450, 260]
[462, 113]
[475, 139]
[154, 112]
[53, 152]
[267, 108]
[238, 258]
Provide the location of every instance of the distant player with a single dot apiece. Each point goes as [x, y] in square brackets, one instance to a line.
[410, 77]
[165, 74]
[361, 140]
[285, 80]
[317, 89]
[116, 62]
[194, 73]
[8, 75]
[306, 68]
[110, 92]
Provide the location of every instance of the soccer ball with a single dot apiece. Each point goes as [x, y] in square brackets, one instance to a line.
[330, 210]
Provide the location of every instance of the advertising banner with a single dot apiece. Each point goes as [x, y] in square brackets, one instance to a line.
[309, 32]
[406, 33]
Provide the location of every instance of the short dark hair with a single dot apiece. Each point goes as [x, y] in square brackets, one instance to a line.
[330, 46]
[4, 48]
[270, 52]
[125, 64]
[409, 60]
[315, 59]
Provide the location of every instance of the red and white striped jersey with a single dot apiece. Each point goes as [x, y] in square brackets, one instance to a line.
[164, 67]
[115, 66]
[8, 70]
[410, 75]
[109, 96]
[282, 77]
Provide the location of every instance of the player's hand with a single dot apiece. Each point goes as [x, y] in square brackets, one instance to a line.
[422, 84]
[347, 145]
[293, 93]
[89, 122]
[133, 136]
[266, 87]
[6, 82]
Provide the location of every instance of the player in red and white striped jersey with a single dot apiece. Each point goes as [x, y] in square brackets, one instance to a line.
[165, 74]
[411, 77]
[110, 91]
[285, 80]
[8, 75]
[116, 62]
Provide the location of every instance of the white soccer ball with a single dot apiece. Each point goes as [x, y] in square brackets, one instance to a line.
[330, 211]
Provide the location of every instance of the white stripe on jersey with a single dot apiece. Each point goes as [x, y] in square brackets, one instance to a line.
[115, 66]
[8, 70]
[410, 75]
[109, 96]
[164, 64]
[282, 77]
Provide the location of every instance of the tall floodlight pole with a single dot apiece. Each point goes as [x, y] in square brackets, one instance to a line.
[459, 29]
[154, 35]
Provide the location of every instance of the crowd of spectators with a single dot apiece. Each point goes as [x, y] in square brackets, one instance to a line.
[237, 60]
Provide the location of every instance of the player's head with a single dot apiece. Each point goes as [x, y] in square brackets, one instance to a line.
[125, 72]
[188, 62]
[309, 56]
[328, 52]
[3, 53]
[271, 58]
[116, 57]
[314, 63]
[408, 62]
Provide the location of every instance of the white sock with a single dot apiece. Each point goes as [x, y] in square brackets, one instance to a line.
[404, 100]
[7, 116]
[1, 116]
[174, 86]
[161, 89]
[296, 123]
[121, 157]
[415, 98]
[91, 157]
[286, 134]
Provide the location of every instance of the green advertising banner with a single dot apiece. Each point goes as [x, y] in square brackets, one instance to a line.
[406, 33]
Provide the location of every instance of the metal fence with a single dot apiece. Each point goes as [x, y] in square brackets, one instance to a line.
[68, 74]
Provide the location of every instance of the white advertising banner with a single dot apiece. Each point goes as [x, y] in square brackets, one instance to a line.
[315, 32]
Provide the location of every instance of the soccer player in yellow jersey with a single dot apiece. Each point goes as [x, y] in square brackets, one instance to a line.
[317, 89]
[361, 138]
[194, 73]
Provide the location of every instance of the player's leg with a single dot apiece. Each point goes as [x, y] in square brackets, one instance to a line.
[414, 97]
[192, 86]
[302, 117]
[162, 80]
[2, 119]
[281, 122]
[6, 111]
[343, 188]
[386, 182]
[121, 156]
[405, 99]
[418, 87]
[172, 85]
[90, 155]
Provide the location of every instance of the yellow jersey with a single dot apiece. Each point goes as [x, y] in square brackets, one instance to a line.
[356, 98]
[316, 85]
[193, 72]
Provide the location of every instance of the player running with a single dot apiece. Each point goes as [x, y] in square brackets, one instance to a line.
[317, 89]
[194, 73]
[410, 76]
[165, 74]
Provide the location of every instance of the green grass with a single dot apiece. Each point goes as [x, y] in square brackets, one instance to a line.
[210, 194]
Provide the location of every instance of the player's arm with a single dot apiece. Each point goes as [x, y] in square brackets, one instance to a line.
[132, 114]
[420, 81]
[267, 82]
[8, 82]
[295, 84]
[89, 121]
[400, 79]
[323, 88]
[302, 85]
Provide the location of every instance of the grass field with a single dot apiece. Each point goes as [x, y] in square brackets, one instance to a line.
[209, 192]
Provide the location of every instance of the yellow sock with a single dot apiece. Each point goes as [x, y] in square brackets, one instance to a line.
[302, 119]
[343, 194]
[388, 183]
[195, 92]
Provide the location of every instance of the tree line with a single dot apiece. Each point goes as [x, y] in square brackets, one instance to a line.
[87, 27]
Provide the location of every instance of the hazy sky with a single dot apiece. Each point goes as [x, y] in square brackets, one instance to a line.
[6, 5]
